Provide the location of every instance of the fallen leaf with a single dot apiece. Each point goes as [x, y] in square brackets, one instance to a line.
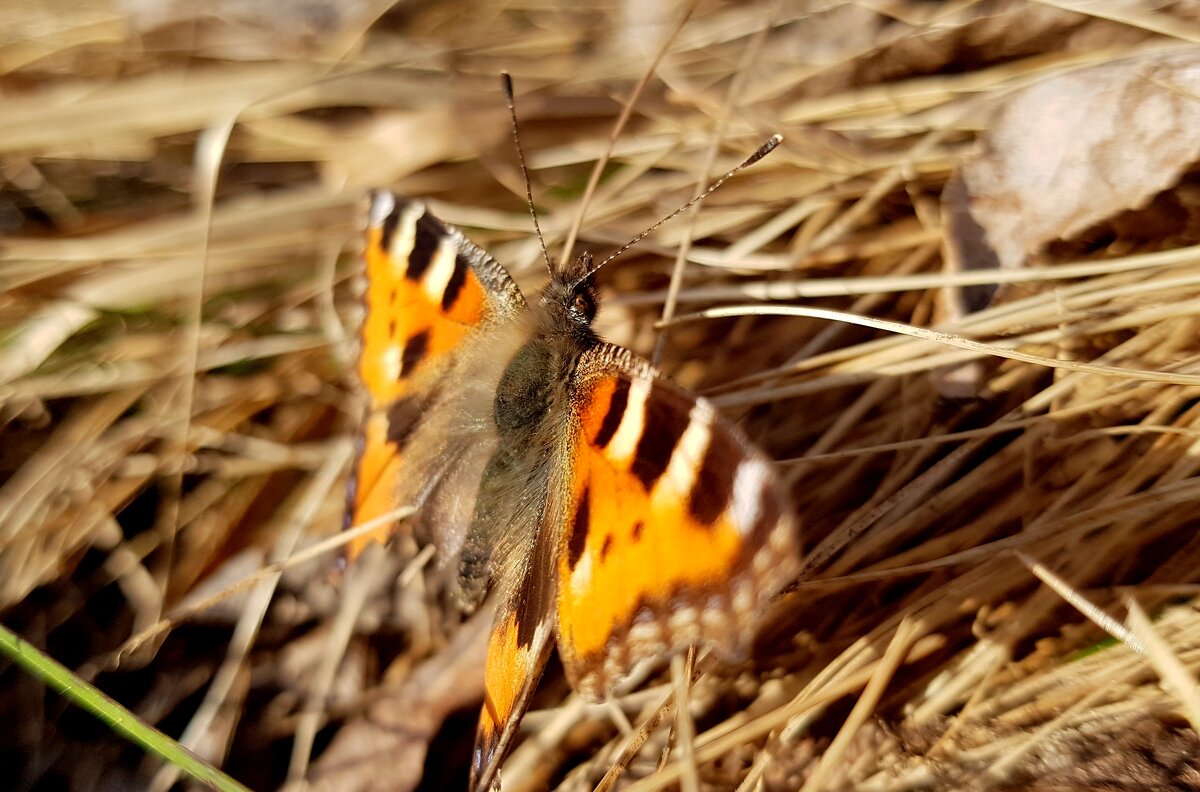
[1058, 158]
[387, 749]
[1072, 151]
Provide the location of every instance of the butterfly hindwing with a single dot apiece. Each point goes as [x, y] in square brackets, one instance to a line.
[428, 292]
[520, 644]
[675, 531]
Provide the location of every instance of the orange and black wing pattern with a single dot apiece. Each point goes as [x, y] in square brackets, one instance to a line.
[520, 644]
[427, 290]
[675, 530]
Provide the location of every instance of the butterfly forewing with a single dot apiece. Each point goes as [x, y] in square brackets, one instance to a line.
[676, 531]
[428, 292]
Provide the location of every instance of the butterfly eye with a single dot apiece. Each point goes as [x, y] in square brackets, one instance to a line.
[583, 305]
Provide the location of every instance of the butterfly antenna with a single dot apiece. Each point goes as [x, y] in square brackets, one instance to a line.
[763, 150]
[506, 79]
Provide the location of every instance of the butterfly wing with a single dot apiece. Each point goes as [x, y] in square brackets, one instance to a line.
[675, 530]
[518, 648]
[428, 292]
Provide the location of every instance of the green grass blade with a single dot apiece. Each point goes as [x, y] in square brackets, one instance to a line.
[120, 719]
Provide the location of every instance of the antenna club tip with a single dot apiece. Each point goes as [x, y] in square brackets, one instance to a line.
[507, 83]
[768, 147]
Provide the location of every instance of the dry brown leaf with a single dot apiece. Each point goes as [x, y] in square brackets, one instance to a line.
[387, 749]
[1072, 151]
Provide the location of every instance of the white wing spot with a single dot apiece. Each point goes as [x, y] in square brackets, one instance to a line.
[644, 634]
[684, 466]
[381, 207]
[392, 360]
[581, 577]
[749, 484]
[624, 443]
[441, 269]
[403, 238]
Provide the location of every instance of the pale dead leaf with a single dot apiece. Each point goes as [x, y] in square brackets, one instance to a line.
[1072, 151]
[1059, 157]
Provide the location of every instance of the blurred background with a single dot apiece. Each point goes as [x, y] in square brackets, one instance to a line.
[999, 587]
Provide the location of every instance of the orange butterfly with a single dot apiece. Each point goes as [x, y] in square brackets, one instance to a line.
[616, 514]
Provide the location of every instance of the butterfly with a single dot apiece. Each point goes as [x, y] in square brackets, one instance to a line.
[614, 514]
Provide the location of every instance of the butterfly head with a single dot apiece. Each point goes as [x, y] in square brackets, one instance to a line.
[570, 298]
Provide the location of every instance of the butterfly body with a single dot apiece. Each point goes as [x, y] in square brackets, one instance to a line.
[613, 513]
[528, 411]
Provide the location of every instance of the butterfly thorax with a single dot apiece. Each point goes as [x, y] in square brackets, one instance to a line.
[528, 408]
[539, 370]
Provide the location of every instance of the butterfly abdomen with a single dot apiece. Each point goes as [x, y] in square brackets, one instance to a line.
[509, 508]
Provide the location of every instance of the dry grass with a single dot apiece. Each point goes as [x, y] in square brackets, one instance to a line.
[179, 205]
